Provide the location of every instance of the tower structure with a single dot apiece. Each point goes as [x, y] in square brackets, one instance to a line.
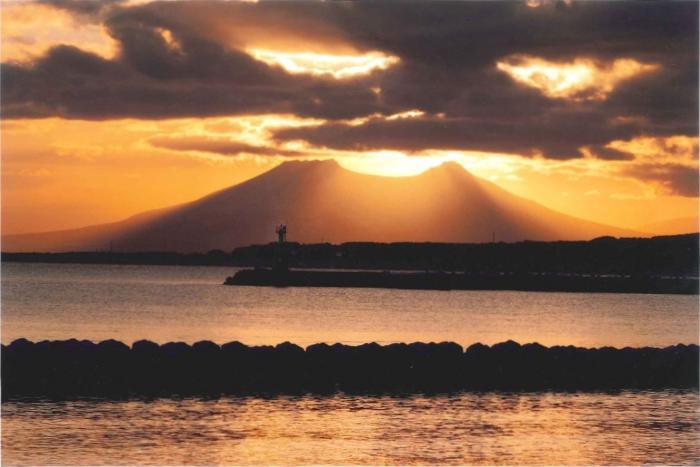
[281, 231]
[281, 260]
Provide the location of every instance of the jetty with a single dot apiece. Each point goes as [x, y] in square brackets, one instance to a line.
[281, 275]
[462, 281]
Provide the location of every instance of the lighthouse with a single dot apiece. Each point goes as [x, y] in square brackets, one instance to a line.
[281, 232]
[281, 260]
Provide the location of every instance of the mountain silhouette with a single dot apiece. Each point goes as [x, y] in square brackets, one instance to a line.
[322, 202]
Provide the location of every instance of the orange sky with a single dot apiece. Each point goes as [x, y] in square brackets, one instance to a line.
[62, 172]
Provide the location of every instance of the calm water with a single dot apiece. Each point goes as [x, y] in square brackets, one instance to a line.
[183, 303]
[53, 301]
[624, 428]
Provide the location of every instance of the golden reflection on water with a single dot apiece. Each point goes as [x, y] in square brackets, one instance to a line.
[163, 303]
[470, 428]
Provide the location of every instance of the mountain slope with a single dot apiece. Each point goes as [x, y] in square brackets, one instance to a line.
[93, 237]
[322, 202]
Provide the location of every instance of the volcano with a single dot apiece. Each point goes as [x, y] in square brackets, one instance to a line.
[322, 202]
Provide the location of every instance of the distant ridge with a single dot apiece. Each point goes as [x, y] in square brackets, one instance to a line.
[656, 257]
[322, 202]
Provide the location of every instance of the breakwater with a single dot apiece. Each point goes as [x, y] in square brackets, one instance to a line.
[74, 368]
[463, 281]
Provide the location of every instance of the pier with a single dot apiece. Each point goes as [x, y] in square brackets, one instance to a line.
[462, 281]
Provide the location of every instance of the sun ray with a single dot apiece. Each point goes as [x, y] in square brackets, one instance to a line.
[580, 79]
[337, 66]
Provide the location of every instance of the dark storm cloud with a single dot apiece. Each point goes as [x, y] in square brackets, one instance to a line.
[675, 179]
[221, 146]
[448, 67]
[610, 154]
[152, 78]
[84, 7]
[151, 81]
[465, 35]
[668, 98]
[448, 55]
[559, 134]
[74, 84]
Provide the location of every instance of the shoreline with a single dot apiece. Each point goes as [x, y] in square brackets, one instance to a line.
[673, 255]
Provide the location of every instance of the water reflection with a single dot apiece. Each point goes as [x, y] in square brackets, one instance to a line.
[161, 303]
[490, 428]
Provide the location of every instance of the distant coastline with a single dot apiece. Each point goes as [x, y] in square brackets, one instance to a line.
[664, 256]
[155, 258]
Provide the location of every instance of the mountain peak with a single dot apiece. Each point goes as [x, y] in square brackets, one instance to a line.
[299, 167]
[447, 167]
[324, 203]
[450, 167]
[310, 163]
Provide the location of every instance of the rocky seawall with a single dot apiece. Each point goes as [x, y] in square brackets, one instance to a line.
[73, 368]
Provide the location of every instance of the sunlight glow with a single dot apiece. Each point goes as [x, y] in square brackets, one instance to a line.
[581, 79]
[492, 166]
[677, 149]
[170, 40]
[377, 116]
[539, 3]
[30, 29]
[338, 66]
[391, 163]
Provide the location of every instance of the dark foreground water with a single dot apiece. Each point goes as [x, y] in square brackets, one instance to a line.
[488, 428]
[163, 304]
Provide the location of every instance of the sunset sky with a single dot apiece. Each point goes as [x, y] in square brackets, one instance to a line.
[112, 108]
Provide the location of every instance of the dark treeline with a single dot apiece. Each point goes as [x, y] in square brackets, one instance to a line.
[658, 256]
[110, 368]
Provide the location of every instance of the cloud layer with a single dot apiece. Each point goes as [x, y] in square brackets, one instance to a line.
[193, 59]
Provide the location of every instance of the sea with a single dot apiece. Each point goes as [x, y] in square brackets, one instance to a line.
[181, 303]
